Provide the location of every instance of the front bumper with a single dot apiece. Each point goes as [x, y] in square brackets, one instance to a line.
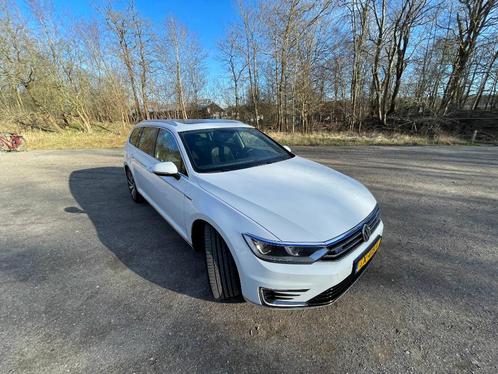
[302, 285]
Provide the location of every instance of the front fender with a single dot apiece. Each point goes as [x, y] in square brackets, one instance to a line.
[228, 221]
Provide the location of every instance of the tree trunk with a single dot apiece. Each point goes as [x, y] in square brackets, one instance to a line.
[484, 80]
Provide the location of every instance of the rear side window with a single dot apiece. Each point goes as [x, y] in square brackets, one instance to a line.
[167, 150]
[148, 140]
[135, 136]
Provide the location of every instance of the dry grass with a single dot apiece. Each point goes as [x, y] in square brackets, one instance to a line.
[114, 136]
[346, 138]
[74, 139]
[107, 136]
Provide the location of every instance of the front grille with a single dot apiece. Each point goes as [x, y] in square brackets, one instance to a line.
[274, 296]
[354, 238]
[333, 293]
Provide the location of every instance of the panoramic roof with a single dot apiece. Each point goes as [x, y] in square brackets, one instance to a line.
[194, 124]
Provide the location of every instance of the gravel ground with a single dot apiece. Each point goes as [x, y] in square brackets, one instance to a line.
[91, 282]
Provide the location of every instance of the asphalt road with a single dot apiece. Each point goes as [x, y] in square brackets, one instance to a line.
[91, 282]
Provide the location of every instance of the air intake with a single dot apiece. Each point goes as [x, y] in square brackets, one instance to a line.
[281, 298]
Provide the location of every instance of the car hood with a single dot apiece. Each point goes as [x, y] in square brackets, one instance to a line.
[296, 200]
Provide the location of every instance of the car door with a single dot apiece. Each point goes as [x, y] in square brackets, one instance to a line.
[143, 160]
[131, 146]
[168, 192]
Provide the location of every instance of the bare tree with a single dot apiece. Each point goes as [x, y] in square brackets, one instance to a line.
[472, 18]
[176, 37]
[484, 80]
[251, 51]
[230, 52]
[120, 24]
[411, 15]
[143, 45]
[293, 65]
[359, 13]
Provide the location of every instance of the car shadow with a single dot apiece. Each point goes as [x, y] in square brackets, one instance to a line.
[137, 235]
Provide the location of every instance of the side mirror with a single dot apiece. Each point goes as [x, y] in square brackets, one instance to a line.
[288, 148]
[165, 169]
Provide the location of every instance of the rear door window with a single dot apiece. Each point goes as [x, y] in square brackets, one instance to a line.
[148, 140]
[135, 136]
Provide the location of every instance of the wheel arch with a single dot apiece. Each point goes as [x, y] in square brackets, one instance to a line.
[197, 234]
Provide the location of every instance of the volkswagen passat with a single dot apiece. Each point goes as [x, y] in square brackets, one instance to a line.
[276, 228]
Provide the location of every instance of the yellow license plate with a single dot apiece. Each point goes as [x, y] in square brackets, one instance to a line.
[368, 256]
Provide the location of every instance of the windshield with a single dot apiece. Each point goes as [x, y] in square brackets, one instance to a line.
[224, 149]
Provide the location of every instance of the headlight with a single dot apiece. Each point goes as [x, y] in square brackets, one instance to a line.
[276, 252]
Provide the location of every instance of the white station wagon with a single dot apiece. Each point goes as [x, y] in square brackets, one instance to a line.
[277, 229]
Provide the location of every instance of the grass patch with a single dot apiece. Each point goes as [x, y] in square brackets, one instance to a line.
[347, 138]
[114, 135]
[102, 136]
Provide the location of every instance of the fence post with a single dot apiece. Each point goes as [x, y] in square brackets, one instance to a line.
[474, 135]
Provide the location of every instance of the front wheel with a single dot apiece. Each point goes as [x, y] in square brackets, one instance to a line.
[221, 268]
[132, 187]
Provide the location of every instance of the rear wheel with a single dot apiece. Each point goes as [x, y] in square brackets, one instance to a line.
[132, 187]
[22, 145]
[221, 268]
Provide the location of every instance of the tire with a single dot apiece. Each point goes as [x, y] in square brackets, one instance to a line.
[221, 269]
[23, 146]
[132, 187]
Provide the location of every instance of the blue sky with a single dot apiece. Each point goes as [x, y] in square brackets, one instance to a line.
[207, 19]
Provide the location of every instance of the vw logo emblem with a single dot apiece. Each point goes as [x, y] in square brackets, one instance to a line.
[366, 231]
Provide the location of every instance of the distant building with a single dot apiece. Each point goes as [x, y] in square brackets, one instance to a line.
[209, 109]
[204, 109]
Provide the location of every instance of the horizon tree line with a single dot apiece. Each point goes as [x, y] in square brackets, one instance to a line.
[292, 65]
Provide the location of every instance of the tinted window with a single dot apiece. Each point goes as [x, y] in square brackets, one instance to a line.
[167, 150]
[230, 149]
[148, 140]
[135, 136]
